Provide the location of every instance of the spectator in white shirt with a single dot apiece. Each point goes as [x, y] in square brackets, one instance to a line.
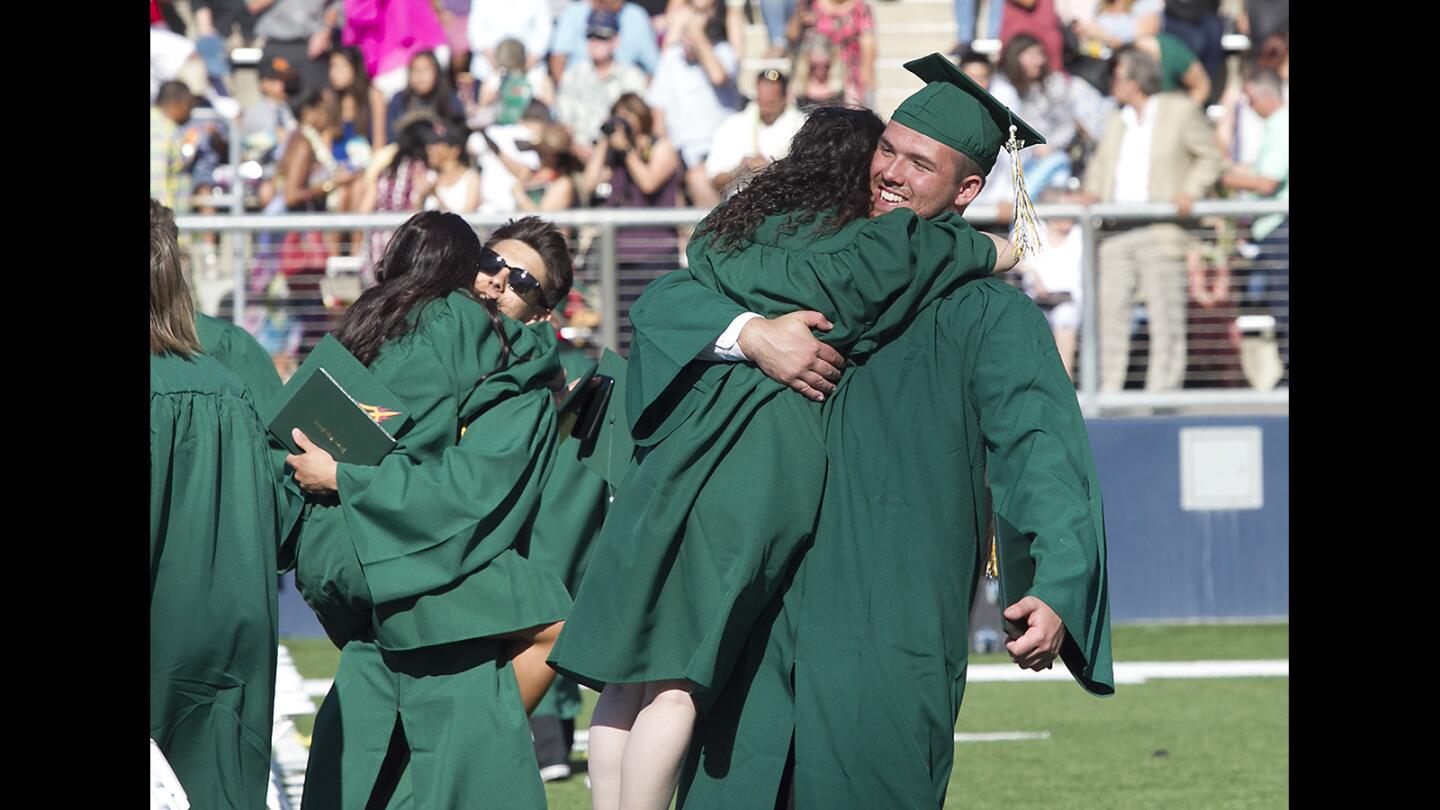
[504, 153]
[529, 21]
[756, 136]
[1052, 277]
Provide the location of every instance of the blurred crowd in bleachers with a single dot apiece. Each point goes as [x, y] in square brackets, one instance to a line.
[547, 105]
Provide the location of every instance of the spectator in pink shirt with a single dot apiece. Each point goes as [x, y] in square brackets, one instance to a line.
[389, 33]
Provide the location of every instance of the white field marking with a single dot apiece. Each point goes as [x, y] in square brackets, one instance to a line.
[582, 737]
[1271, 620]
[291, 697]
[1133, 672]
[318, 687]
[1002, 736]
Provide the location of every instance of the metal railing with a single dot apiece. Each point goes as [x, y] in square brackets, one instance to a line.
[601, 268]
[235, 200]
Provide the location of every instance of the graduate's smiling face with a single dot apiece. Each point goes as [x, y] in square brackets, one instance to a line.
[513, 294]
[915, 171]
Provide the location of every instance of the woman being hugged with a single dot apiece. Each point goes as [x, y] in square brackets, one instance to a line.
[416, 566]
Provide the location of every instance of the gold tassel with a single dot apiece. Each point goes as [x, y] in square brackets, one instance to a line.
[1028, 233]
[992, 566]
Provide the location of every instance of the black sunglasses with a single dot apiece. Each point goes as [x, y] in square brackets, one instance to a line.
[525, 285]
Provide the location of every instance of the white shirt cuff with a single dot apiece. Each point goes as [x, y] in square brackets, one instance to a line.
[725, 348]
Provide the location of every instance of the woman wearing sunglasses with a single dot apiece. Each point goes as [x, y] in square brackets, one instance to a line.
[415, 566]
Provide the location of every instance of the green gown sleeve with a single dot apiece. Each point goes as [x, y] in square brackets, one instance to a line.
[461, 571]
[870, 285]
[869, 280]
[420, 526]
[674, 319]
[449, 371]
[1042, 476]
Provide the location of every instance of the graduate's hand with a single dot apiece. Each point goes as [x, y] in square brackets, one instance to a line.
[787, 353]
[314, 468]
[1037, 648]
[558, 387]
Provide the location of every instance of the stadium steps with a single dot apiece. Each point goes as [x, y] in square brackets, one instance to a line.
[904, 30]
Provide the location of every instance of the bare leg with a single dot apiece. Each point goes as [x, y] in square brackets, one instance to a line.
[609, 731]
[1066, 342]
[658, 740]
[528, 654]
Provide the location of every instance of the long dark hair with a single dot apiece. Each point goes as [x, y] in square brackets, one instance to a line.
[359, 89]
[442, 95]
[430, 256]
[1010, 63]
[827, 169]
[410, 141]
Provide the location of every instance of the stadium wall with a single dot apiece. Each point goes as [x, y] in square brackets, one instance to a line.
[1167, 562]
[1226, 556]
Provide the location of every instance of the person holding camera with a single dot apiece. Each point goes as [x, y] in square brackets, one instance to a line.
[632, 166]
[640, 167]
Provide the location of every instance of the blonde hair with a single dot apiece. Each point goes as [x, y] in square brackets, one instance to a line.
[800, 76]
[172, 314]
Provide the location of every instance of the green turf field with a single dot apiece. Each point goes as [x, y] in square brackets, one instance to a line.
[1204, 743]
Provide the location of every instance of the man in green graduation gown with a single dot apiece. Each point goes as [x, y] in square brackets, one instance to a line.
[855, 675]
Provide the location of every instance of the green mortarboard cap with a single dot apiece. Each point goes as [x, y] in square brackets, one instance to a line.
[954, 110]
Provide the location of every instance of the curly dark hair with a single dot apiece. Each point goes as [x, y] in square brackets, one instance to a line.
[827, 169]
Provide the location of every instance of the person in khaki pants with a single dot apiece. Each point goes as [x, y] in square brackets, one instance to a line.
[1157, 147]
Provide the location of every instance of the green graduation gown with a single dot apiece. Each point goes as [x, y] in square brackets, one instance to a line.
[699, 540]
[420, 559]
[864, 656]
[572, 509]
[214, 524]
[239, 351]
